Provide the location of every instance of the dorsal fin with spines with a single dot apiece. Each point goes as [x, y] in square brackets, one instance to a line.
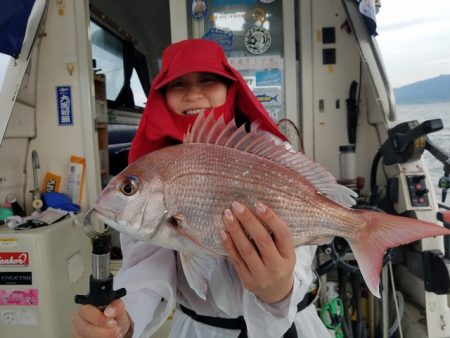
[263, 144]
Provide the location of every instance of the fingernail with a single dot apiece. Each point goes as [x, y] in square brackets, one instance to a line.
[238, 207]
[109, 312]
[228, 215]
[111, 322]
[260, 208]
[223, 235]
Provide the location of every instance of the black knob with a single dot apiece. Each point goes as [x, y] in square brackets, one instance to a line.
[418, 178]
[421, 192]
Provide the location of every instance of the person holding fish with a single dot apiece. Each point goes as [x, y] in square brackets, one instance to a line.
[220, 218]
[253, 292]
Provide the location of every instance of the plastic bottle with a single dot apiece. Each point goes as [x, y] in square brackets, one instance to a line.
[347, 162]
[15, 206]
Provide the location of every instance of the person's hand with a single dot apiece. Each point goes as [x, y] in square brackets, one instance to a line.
[113, 322]
[261, 249]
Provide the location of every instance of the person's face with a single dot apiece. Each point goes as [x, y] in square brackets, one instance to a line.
[193, 92]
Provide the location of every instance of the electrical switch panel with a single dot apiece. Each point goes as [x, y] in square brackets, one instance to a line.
[418, 191]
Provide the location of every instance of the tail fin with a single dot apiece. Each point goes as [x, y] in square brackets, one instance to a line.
[385, 231]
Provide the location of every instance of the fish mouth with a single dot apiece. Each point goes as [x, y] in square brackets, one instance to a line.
[195, 111]
[109, 217]
[103, 214]
[90, 231]
[106, 216]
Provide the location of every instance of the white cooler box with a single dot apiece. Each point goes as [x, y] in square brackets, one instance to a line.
[41, 270]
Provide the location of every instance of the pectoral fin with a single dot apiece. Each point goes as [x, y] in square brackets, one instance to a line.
[197, 269]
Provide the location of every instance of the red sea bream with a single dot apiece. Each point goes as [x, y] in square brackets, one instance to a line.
[175, 198]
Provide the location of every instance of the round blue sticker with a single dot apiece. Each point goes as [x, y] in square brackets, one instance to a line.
[199, 9]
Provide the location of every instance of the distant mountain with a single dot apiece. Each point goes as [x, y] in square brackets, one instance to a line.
[436, 89]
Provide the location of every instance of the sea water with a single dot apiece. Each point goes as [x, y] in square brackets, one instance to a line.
[429, 111]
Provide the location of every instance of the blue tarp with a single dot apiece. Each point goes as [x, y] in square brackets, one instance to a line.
[368, 11]
[14, 16]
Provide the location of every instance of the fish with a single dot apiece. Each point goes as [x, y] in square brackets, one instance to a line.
[175, 198]
[266, 98]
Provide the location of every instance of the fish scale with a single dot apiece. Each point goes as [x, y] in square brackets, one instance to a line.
[202, 188]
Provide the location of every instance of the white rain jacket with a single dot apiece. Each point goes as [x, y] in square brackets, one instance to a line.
[155, 283]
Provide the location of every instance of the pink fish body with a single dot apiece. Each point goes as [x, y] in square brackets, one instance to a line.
[175, 198]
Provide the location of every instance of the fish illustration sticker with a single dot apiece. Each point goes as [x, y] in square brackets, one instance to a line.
[257, 40]
[224, 39]
[269, 96]
[199, 9]
[264, 98]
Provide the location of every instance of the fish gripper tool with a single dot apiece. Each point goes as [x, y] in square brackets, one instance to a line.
[101, 291]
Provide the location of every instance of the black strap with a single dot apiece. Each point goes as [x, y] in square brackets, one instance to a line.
[239, 322]
[291, 333]
[224, 323]
[307, 300]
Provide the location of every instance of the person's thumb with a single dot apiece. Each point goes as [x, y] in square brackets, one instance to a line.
[116, 311]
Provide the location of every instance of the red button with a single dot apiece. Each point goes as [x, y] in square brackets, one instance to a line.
[418, 186]
[421, 200]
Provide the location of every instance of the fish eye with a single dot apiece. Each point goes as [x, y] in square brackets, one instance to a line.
[130, 186]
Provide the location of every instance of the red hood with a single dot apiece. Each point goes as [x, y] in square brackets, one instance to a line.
[160, 127]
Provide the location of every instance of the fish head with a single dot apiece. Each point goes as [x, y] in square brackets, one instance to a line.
[133, 204]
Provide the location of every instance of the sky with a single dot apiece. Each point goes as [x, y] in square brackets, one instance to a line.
[414, 39]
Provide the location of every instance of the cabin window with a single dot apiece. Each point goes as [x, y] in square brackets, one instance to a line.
[108, 53]
[251, 35]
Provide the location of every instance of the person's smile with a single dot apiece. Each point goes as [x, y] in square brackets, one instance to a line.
[194, 92]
